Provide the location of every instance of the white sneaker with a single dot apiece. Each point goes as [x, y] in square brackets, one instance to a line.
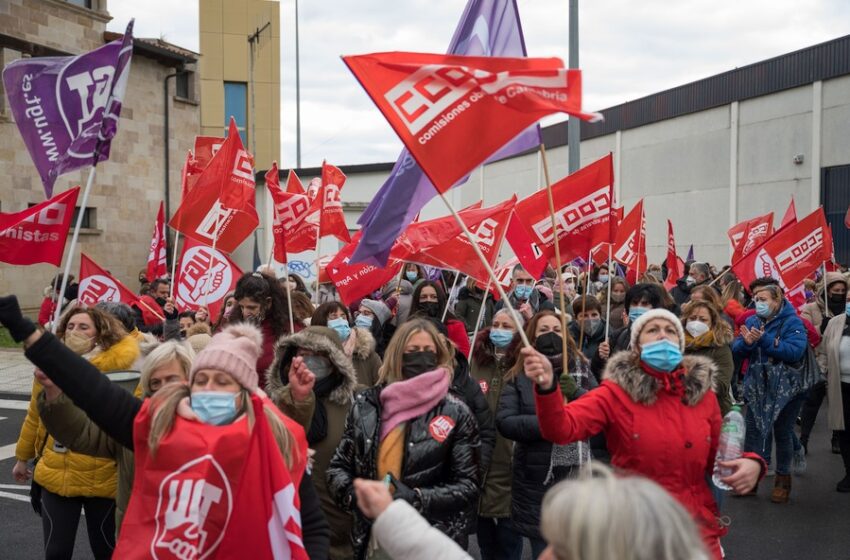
[798, 462]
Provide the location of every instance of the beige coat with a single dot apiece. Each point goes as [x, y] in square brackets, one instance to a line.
[815, 311]
[831, 342]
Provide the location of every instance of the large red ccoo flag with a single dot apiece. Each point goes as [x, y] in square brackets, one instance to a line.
[96, 285]
[630, 244]
[38, 234]
[157, 265]
[329, 202]
[453, 112]
[204, 278]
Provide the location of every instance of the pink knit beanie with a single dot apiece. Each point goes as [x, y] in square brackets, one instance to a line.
[234, 350]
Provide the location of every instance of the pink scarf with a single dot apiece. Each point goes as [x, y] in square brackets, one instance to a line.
[403, 400]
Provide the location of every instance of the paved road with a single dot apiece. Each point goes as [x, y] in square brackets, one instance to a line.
[814, 526]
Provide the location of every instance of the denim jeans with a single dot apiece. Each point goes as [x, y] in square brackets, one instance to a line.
[783, 434]
[498, 540]
[537, 547]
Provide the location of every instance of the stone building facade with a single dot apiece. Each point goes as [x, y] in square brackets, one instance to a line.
[129, 187]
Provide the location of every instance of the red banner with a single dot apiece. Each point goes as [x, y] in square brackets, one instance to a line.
[790, 255]
[453, 112]
[293, 183]
[630, 244]
[38, 234]
[278, 198]
[157, 266]
[420, 236]
[790, 217]
[458, 254]
[329, 201]
[675, 266]
[355, 280]
[526, 250]
[204, 277]
[583, 210]
[96, 285]
[750, 234]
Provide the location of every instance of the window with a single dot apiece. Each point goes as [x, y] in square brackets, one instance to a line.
[184, 83]
[81, 3]
[89, 221]
[236, 106]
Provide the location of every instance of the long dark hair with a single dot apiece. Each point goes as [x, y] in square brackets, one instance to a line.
[516, 345]
[416, 308]
[259, 288]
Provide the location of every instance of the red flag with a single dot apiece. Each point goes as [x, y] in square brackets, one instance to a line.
[157, 266]
[599, 254]
[355, 280]
[420, 236]
[204, 277]
[504, 275]
[329, 201]
[458, 254]
[790, 217]
[98, 285]
[268, 498]
[313, 188]
[205, 148]
[790, 255]
[630, 245]
[750, 234]
[583, 210]
[278, 199]
[38, 234]
[674, 270]
[293, 183]
[527, 251]
[453, 112]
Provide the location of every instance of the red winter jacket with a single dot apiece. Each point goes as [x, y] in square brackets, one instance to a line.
[650, 430]
[456, 332]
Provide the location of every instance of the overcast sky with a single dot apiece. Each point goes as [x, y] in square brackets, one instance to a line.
[629, 49]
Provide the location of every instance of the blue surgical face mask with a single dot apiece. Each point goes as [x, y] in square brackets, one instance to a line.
[662, 355]
[847, 308]
[341, 326]
[363, 321]
[521, 291]
[214, 407]
[763, 309]
[635, 312]
[603, 278]
[501, 337]
[411, 275]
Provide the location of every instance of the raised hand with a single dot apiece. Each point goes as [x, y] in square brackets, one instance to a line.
[301, 380]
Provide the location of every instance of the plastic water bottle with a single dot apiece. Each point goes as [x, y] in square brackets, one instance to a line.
[731, 445]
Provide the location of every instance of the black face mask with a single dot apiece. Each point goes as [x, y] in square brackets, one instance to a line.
[160, 301]
[549, 344]
[431, 308]
[415, 363]
[837, 298]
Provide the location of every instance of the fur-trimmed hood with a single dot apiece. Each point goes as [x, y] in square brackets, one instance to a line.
[364, 343]
[624, 370]
[312, 338]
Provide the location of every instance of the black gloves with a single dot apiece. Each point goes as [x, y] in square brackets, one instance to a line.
[405, 492]
[11, 317]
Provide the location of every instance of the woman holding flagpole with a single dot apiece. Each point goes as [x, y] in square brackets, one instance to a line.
[212, 416]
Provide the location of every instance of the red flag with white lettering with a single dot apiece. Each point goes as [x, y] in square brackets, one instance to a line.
[98, 285]
[204, 277]
[355, 280]
[329, 201]
[526, 250]
[583, 209]
[38, 234]
[675, 266]
[453, 112]
[205, 148]
[278, 199]
[488, 227]
[504, 275]
[157, 266]
[750, 234]
[790, 255]
[630, 244]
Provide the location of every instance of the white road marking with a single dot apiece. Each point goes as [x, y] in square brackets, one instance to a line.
[15, 487]
[13, 404]
[7, 451]
[14, 497]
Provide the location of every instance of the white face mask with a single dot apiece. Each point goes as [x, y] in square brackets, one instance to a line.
[696, 328]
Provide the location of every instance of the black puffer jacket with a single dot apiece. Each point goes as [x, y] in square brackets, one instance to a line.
[445, 474]
[468, 390]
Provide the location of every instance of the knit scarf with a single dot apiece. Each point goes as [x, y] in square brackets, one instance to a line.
[404, 400]
[563, 458]
[702, 341]
[670, 382]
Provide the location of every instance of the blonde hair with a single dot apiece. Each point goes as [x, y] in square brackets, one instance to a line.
[602, 516]
[164, 404]
[161, 355]
[390, 370]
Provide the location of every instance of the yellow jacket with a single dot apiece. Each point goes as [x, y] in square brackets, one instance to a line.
[59, 470]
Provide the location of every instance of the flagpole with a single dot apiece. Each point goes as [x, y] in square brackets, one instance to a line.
[480, 316]
[585, 296]
[289, 296]
[477, 249]
[608, 304]
[449, 298]
[70, 256]
[318, 242]
[556, 237]
[825, 298]
[209, 268]
[174, 263]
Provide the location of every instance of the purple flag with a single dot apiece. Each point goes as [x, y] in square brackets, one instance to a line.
[690, 254]
[67, 108]
[487, 28]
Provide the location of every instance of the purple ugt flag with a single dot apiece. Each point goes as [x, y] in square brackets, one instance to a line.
[487, 28]
[67, 108]
[690, 254]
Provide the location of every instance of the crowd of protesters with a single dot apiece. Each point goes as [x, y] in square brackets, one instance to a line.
[415, 418]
